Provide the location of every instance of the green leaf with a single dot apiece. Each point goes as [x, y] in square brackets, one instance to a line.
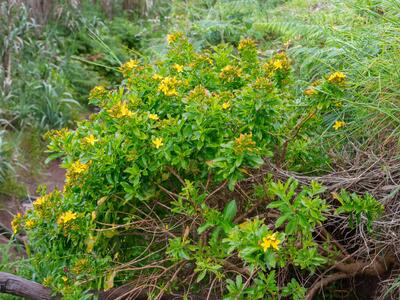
[281, 220]
[291, 226]
[204, 227]
[230, 211]
[201, 276]
[231, 183]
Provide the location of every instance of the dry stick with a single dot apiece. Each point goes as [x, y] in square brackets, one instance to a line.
[7, 233]
[211, 287]
[374, 268]
[251, 210]
[324, 282]
[216, 190]
[327, 235]
[173, 195]
[247, 282]
[167, 285]
[235, 268]
[209, 177]
[175, 173]
[242, 192]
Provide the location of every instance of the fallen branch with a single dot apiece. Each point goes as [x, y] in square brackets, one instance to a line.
[7, 233]
[320, 284]
[376, 268]
[18, 286]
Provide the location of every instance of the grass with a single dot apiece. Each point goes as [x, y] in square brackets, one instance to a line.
[359, 37]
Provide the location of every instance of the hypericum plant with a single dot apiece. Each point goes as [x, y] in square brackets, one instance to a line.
[151, 180]
[358, 207]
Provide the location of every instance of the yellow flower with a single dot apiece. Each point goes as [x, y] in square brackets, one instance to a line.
[230, 73]
[80, 266]
[109, 280]
[202, 59]
[90, 140]
[338, 124]
[154, 117]
[244, 143]
[173, 37]
[310, 91]
[44, 205]
[244, 225]
[131, 64]
[226, 105]
[90, 242]
[280, 62]
[128, 66]
[270, 240]
[158, 142]
[16, 223]
[124, 111]
[157, 77]
[40, 202]
[120, 110]
[246, 43]
[64, 278]
[263, 83]
[170, 38]
[66, 217]
[277, 64]
[47, 281]
[93, 215]
[338, 104]
[168, 86]
[178, 68]
[74, 172]
[62, 133]
[78, 168]
[30, 224]
[97, 92]
[338, 78]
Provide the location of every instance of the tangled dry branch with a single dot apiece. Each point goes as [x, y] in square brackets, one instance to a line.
[362, 254]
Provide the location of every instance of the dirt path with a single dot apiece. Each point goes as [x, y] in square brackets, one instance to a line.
[52, 176]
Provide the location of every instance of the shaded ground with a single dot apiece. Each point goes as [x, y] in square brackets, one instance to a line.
[52, 176]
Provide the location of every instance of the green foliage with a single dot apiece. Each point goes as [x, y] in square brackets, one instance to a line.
[152, 178]
[192, 122]
[302, 211]
[354, 36]
[194, 115]
[359, 207]
[11, 263]
[39, 93]
[5, 164]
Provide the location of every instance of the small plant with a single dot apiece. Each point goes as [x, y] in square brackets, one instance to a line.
[359, 208]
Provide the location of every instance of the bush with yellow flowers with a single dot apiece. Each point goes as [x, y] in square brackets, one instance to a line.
[154, 194]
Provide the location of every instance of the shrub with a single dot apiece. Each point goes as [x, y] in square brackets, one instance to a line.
[152, 180]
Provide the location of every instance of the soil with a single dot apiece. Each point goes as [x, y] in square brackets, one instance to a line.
[52, 176]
